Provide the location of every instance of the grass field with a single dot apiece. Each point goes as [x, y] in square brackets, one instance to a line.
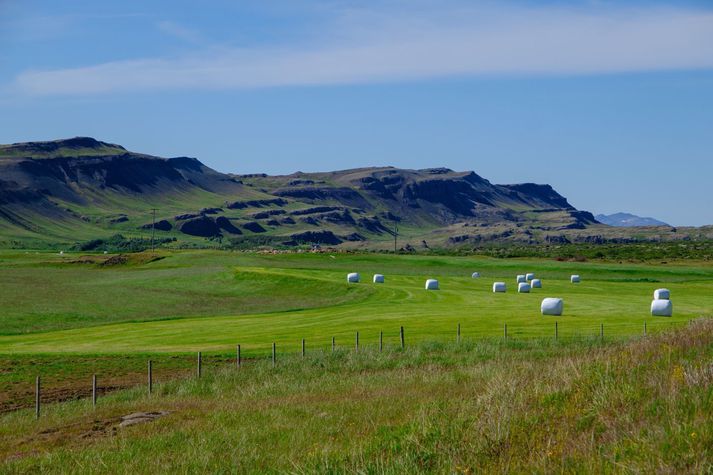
[640, 405]
[66, 317]
[211, 301]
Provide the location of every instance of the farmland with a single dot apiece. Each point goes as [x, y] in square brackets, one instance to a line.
[66, 317]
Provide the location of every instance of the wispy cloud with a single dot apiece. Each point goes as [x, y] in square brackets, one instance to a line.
[179, 31]
[383, 46]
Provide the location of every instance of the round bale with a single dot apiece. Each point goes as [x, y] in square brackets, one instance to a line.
[661, 308]
[536, 284]
[431, 284]
[662, 294]
[378, 279]
[353, 277]
[499, 287]
[575, 279]
[552, 306]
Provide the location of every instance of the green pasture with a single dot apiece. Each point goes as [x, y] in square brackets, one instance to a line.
[636, 405]
[211, 300]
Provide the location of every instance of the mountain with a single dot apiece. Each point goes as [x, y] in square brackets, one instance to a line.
[82, 189]
[628, 220]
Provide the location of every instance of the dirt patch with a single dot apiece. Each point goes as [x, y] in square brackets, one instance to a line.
[105, 260]
[138, 258]
[141, 418]
[115, 261]
[88, 260]
[17, 386]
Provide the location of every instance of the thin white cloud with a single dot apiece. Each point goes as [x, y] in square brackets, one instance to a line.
[383, 46]
[179, 31]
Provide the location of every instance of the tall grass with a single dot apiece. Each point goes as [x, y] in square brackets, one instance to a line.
[578, 405]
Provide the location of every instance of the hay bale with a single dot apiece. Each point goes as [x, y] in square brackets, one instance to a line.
[662, 294]
[378, 279]
[353, 277]
[431, 284]
[529, 277]
[575, 279]
[499, 287]
[536, 284]
[661, 308]
[521, 278]
[552, 306]
[523, 288]
[475, 275]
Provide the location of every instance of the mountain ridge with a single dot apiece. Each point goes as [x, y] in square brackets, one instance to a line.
[82, 189]
[628, 220]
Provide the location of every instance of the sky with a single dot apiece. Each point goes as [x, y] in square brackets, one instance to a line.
[610, 102]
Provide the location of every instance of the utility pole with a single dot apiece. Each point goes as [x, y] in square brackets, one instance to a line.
[396, 233]
[153, 229]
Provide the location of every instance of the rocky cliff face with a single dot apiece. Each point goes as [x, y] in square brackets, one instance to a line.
[103, 188]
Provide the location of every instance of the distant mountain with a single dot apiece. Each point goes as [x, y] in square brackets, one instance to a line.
[81, 189]
[628, 220]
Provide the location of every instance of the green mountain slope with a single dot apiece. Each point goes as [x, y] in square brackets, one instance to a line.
[81, 189]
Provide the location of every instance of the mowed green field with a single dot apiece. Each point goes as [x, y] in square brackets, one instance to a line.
[528, 404]
[211, 301]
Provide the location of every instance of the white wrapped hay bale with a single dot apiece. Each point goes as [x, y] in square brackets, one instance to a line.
[661, 308]
[378, 279]
[662, 294]
[523, 288]
[475, 275]
[521, 279]
[575, 279]
[529, 277]
[536, 284]
[552, 306]
[431, 284]
[353, 277]
[499, 287]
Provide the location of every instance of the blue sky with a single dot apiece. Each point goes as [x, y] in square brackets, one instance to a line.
[610, 102]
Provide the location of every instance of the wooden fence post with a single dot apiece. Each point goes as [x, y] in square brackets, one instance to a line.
[333, 344]
[644, 328]
[556, 331]
[601, 332]
[37, 398]
[150, 377]
[273, 354]
[458, 333]
[303, 347]
[381, 341]
[238, 356]
[200, 363]
[505, 331]
[94, 390]
[356, 347]
[403, 342]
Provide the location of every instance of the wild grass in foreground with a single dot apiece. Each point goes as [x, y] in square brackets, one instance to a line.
[537, 405]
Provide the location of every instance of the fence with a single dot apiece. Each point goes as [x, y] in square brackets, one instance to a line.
[238, 362]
